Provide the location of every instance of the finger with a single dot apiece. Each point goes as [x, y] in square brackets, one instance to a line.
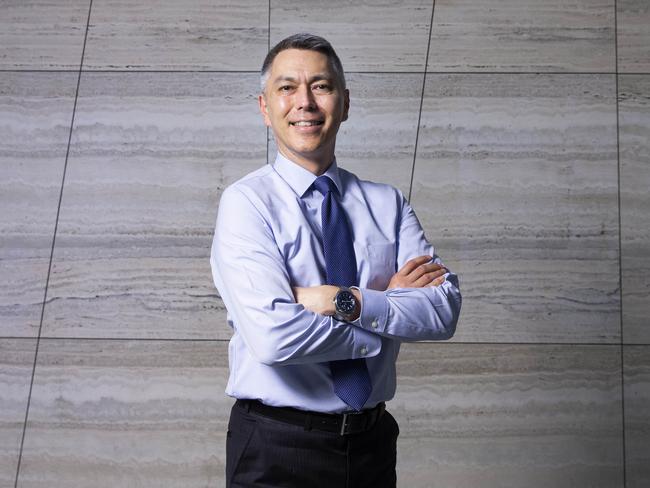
[438, 273]
[427, 278]
[438, 281]
[411, 264]
[424, 269]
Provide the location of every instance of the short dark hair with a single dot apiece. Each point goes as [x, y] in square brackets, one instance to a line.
[308, 42]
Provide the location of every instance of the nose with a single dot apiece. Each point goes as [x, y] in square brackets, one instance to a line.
[305, 98]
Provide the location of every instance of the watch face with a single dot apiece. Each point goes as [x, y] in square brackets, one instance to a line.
[345, 302]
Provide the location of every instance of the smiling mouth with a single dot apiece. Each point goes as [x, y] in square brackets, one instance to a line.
[306, 123]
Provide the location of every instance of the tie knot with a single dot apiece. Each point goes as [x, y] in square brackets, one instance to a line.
[323, 184]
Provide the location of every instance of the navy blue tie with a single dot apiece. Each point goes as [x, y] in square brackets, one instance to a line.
[350, 376]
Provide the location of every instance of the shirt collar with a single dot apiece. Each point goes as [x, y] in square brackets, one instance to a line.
[300, 179]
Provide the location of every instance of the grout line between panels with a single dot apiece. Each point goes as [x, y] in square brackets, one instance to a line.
[49, 269]
[347, 72]
[268, 44]
[132, 339]
[424, 82]
[428, 343]
[620, 247]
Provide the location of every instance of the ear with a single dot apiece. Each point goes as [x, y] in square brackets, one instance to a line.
[264, 109]
[346, 104]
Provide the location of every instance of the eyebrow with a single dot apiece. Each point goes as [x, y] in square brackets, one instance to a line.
[317, 76]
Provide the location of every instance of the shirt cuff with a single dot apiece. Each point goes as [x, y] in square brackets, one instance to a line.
[374, 310]
[366, 344]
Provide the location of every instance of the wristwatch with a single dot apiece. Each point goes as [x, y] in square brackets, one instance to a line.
[345, 304]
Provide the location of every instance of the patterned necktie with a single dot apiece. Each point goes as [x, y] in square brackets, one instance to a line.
[350, 376]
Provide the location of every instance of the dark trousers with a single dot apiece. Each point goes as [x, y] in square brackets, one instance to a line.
[266, 453]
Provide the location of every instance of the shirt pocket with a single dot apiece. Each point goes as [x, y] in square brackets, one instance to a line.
[378, 265]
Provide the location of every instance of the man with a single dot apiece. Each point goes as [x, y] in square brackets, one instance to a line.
[305, 258]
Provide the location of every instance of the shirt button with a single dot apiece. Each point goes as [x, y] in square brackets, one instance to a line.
[363, 350]
[375, 324]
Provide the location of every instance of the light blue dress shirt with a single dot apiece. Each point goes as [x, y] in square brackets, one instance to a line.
[267, 239]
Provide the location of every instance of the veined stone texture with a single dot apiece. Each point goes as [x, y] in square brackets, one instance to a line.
[523, 35]
[518, 135]
[509, 416]
[150, 155]
[516, 184]
[16, 365]
[197, 35]
[633, 43]
[43, 34]
[637, 415]
[127, 413]
[368, 35]
[35, 115]
[634, 131]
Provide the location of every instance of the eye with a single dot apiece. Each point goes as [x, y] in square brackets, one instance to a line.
[322, 87]
[285, 88]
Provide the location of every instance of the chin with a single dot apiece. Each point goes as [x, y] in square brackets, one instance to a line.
[306, 148]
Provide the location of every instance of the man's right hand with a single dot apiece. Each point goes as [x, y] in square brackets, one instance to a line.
[417, 273]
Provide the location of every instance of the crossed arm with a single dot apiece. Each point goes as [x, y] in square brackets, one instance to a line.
[416, 273]
[285, 325]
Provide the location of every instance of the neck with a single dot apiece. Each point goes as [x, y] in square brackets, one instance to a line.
[317, 165]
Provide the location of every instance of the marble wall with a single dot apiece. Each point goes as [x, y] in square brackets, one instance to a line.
[519, 129]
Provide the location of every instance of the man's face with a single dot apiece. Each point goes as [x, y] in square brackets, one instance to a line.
[304, 104]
